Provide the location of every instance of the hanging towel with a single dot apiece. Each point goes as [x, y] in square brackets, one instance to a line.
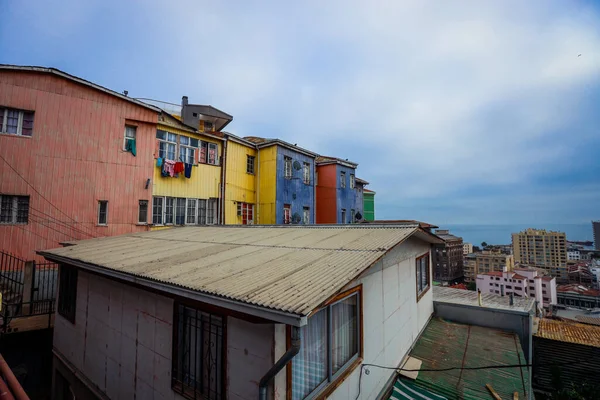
[163, 170]
[179, 167]
[169, 167]
[188, 170]
[159, 162]
[130, 146]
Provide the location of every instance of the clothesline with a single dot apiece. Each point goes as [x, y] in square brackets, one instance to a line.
[172, 168]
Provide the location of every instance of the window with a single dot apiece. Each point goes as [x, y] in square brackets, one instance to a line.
[212, 154]
[201, 211]
[187, 149]
[129, 142]
[206, 126]
[287, 214]
[157, 210]
[191, 211]
[352, 216]
[330, 343]
[203, 152]
[14, 209]
[67, 291]
[167, 144]
[352, 183]
[306, 173]
[287, 167]
[143, 211]
[169, 210]
[16, 122]
[180, 212]
[422, 275]
[102, 212]
[246, 211]
[316, 178]
[342, 179]
[211, 212]
[250, 164]
[198, 354]
[343, 220]
[306, 215]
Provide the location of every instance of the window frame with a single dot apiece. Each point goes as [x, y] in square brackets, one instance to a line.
[287, 167]
[201, 214]
[306, 215]
[250, 164]
[333, 380]
[176, 385]
[211, 211]
[126, 138]
[424, 290]
[343, 215]
[306, 173]
[140, 221]
[20, 121]
[188, 211]
[343, 179]
[245, 211]
[287, 214]
[215, 147]
[167, 142]
[100, 203]
[67, 305]
[16, 213]
[162, 209]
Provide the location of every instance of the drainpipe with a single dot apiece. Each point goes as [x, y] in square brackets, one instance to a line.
[278, 366]
[257, 183]
[223, 181]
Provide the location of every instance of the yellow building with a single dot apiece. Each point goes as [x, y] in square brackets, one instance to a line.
[543, 249]
[486, 261]
[194, 195]
[241, 170]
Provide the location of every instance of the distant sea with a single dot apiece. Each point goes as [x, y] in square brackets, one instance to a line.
[501, 234]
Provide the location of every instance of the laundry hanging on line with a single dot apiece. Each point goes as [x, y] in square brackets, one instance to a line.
[179, 167]
[188, 170]
[130, 146]
[169, 168]
[159, 162]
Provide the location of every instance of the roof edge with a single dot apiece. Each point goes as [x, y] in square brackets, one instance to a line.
[250, 309]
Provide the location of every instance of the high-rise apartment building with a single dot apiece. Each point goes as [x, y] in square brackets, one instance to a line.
[486, 261]
[596, 228]
[448, 258]
[543, 249]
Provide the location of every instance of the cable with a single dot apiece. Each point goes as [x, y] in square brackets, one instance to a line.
[398, 369]
[35, 217]
[34, 189]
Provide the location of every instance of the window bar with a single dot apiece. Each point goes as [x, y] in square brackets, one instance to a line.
[329, 342]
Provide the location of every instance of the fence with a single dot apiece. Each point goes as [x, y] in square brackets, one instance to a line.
[28, 289]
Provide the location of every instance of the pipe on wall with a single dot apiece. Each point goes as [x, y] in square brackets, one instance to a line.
[280, 364]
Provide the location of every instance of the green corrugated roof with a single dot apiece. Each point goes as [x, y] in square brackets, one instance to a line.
[446, 344]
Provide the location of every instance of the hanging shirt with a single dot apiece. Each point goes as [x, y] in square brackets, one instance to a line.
[188, 170]
[179, 167]
[130, 146]
[159, 162]
[169, 167]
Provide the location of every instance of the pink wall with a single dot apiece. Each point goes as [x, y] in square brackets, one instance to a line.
[74, 158]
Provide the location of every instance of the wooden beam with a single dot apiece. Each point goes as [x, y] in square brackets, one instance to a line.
[493, 392]
[33, 323]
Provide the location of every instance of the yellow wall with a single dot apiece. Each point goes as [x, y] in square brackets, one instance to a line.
[267, 174]
[205, 179]
[240, 186]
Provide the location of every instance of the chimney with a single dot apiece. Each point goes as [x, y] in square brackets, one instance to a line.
[184, 101]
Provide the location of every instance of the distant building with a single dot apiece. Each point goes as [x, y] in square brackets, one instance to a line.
[596, 228]
[522, 282]
[448, 258]
[467, 248]
[486, 261]
[573, 255]
[369, 205]
[543, 248]
[579, 272]
[578, 296]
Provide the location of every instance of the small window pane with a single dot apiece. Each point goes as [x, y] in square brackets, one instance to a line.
[194, 142]
[169, 210]
[157, 211]
[184, 140]
[6, 207]
[202, 212]
[161, 134]
[143, 211]
[102, 212]
[191, 211]
[130, 131]
[27, 123]
[12, 121]
[22, 209]
[180, 212]
[250, 164]
[344, 339]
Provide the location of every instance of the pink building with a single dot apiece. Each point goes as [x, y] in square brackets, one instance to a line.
[67, 168]
[522, 282]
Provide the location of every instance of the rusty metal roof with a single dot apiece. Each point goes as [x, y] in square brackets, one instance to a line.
[568, 331]
[445, 344]
[286, 268]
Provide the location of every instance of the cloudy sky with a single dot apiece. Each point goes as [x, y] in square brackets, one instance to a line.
[457, 111]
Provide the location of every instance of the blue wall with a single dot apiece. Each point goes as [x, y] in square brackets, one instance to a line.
[294, 191]
[347, 198]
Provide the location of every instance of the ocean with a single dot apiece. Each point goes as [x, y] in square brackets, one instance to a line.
[501, 234]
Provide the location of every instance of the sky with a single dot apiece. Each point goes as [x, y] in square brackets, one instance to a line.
[461, 112]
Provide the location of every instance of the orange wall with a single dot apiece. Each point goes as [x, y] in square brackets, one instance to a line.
[74, 158]
[326, 194]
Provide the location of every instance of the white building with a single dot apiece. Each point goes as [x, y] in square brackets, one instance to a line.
[467, 248]
[209, 311]
[573, 255]
[522, 282]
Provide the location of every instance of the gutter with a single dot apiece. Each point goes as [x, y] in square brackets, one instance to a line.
[279, 316]
[280, 364]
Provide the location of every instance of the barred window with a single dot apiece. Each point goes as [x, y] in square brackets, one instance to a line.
[14, 209]
[199, 354]
[143, 211]
[191, 211]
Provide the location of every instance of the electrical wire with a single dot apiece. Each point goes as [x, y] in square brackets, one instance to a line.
[38, 217]
[34, 189]
[398, 369]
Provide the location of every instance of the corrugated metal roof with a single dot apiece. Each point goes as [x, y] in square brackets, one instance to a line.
[570, 332]
[588, 320]
[446, 344]
[290, 269]
[469, 298]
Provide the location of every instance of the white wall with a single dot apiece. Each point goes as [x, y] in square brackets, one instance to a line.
[122, 342]
[392, 317]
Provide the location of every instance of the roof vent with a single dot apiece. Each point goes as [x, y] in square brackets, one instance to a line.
[184, 101]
